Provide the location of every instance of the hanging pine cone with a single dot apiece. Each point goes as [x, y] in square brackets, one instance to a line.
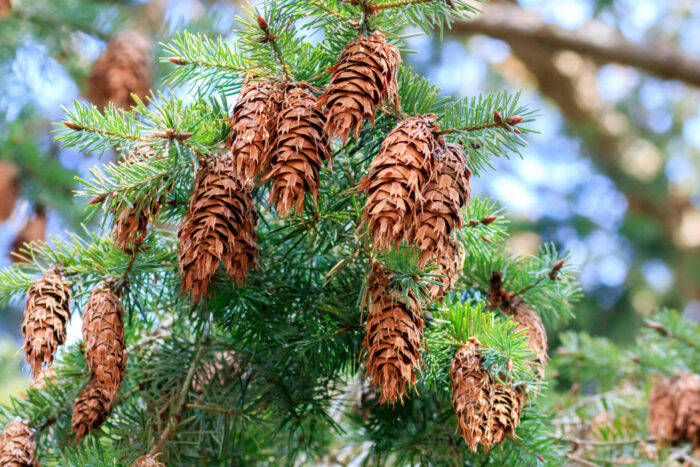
[147, 461]
[674, 409]
[506, 404]
[298, 151]
[91, 408]
[536, 334]
[33, 231]
[124, 68]
[393, 337]
[45, 316]
[441, 214]
[471, 396]
[103, 335]
[364, 76]
[220, 225]
[253, 127]
[397, 178]
[131, 221]
[450, 264]
[17, 446]
[45, 376]
[9, 184]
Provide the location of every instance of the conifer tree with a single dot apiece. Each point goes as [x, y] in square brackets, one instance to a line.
[382, 315]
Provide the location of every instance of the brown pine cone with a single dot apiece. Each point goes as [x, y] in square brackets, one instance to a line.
[91, 408]
[397, 179]
[674, 409]
[124, 68]
[364, 76]
[131, 221]
[45, 317]
[45, 376]
[450, 264]
[445, 196]
[471, 396]
[33, 231]
[9, 183]
[103, 335]
[17, 446]
[298, 151]
[147, 461]
[506, 405]
[536, 334]
[253, 127]
[219, 225]
[393, 338]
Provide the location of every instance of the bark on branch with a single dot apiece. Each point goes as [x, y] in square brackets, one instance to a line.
[513, 24]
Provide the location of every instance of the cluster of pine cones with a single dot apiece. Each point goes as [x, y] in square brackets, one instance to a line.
[280, 131]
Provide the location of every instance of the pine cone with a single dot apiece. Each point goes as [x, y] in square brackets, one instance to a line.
[147, 461]
[17, 446]
[220, 224]
[9, 183]
[45, 376]
[364, 76]
[661, 410]
[471, 396]
[445, 196]
[393, 337]
[687, 404]
[130, 223]
[103, 334]
[536, 334]
[674, 409]
[124, 68]
[45, 316]
[91, 408]
[253, 128]
[397, 178]
[34, 230]
[298, 151]
[450, 264]
[506, 404]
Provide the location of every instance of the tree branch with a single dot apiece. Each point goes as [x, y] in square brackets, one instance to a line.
[514, 24]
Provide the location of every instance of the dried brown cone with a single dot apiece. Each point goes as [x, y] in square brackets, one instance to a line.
[687, 404]
[17, 446]
[445, 196]
[46, 314]
[219, 225]
[298, 151]
[34, 230]
[393, 338]
[449, 264]
[103, 335]
[253, 127]
[674, 409]
[9, 183]
[91, 408]
[397, 179]
[506, 405]
[364, 76]
[527, 319]
[124, 68]
[471, 396]
[147, 461]
[46, 375]
[661, 410]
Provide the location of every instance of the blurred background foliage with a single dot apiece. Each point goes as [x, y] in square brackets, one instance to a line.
[613, 176]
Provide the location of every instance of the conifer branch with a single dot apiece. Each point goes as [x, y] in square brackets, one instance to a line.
[497, 122]
[375, 7]
[221, 66]
[272, 40]
[659, 327]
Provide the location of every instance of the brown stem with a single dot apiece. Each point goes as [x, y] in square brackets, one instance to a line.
[375, 7]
